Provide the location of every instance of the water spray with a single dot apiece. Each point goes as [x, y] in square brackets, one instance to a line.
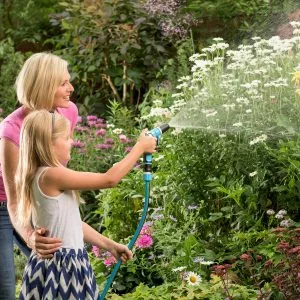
[157, 133]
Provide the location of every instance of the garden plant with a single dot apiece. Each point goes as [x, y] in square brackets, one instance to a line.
[223, 221]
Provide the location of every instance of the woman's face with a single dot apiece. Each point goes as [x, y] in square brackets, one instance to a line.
[63, 92]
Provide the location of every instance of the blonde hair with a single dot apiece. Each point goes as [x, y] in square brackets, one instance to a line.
[40, 128]
[39, 79]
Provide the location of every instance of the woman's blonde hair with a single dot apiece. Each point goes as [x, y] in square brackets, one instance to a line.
[40, 128]
[38, 80]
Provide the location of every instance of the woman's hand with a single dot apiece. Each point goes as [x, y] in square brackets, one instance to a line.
[42, 245]
[122, 252]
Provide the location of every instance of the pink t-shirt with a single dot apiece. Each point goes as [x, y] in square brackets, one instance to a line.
[10, 129]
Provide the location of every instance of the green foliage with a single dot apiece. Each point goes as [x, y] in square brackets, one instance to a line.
[27, 22]
[10, 63]
[184, 292]
[114, 50]
[234, 20]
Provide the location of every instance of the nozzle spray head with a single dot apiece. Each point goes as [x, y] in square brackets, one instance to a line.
[158, 131]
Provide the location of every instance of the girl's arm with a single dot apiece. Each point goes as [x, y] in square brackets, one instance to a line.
[44, 246]
[61, 178]
[93, 237]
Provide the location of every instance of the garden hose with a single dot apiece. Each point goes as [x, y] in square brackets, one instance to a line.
[156, 132]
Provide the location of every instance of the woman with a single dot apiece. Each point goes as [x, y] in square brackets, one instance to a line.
[43, 83]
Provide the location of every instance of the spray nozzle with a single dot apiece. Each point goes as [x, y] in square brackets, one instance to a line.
[158, 131]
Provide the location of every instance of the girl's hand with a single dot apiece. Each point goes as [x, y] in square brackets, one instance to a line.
[147, 142]
[122, 252]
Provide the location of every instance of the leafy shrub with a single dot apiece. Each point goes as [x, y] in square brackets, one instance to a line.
[10, 63]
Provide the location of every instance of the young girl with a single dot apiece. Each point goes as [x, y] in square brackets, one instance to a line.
[47, 198]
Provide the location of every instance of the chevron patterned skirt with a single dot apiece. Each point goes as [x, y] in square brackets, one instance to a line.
[67, 275]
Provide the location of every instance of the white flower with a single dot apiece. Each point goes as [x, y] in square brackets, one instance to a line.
[282, 212]
[207, 262]
[286, 223]
[159, 157]
[279, 216]
[238, 124]
[258, 139]
[253, 173]
[193, 278]
[270, 212]
[118, 131]
[179, 269]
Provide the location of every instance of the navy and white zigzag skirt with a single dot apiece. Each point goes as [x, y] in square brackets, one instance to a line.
[67, 275]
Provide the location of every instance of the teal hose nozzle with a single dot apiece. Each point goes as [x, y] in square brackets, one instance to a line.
[157, 133]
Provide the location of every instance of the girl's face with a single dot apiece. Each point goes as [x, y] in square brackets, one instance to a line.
[62, 148]
[63, 92]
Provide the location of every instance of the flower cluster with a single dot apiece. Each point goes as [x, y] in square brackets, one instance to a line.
[172, 22]
[145, 239]
[282, 216]
[102, 135]
[108, 259]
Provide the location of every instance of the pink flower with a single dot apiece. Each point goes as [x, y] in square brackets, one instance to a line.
[109, 261]
[103, 146]
[101, 132]
[91, 118]
[245, 257]
[81, 128]
[92, 123]
[123, 138]
[78, 144]
[108, 141]
[144, 241]
[96, 251]
[79, 119]
[128, 149]
[146, 230]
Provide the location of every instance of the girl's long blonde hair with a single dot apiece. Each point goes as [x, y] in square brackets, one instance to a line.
[38, 80]
[40, 128]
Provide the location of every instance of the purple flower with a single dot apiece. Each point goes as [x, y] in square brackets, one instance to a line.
[109, 141]
[81, 128]
[128, 149]
[101, 132]
[78, 144]
[157, 217]
[100, 125]
[103, 146]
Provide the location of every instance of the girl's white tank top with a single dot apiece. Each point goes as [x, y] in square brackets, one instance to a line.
[59, 214]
